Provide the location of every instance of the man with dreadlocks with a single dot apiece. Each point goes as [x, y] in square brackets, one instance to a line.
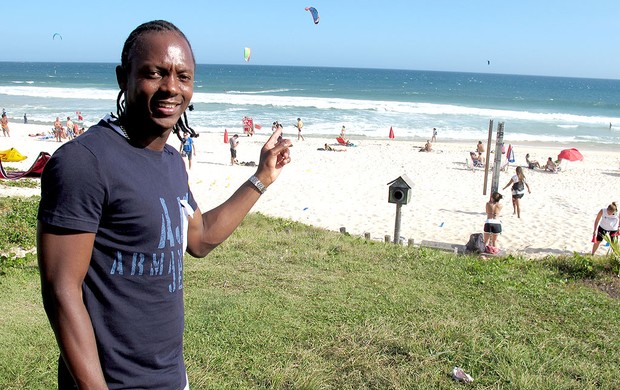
[116, 217]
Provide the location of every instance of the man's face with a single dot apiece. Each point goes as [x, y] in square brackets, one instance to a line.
[159, 83]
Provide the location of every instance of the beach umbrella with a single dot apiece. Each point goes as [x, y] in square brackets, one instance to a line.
[225, 136]
[571, 154]
[391, 135]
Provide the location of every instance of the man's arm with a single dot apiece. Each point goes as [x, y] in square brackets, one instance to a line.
[206, 231]
[64, 258]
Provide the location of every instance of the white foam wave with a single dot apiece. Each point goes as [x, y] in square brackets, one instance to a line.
[279, 90]
[60, 93]
[398, 108]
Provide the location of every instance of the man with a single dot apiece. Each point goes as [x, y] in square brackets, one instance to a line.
[4, 123]
[187, 148]
[58, 129]
[234, 141]
[70, 133]
[116, 217]
[299, 125]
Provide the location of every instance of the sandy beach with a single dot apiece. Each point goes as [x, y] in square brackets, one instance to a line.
[349, 188]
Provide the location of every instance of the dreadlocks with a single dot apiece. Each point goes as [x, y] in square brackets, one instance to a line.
[182, 124]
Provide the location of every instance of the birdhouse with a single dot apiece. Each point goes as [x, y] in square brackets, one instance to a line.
[400, 190]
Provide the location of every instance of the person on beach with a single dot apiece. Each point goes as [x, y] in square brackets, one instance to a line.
[492, 225]
[531, 164]
[518, 183]
[299, 126]
[607, 221]
[434, 136]
[58, 129]
[70, 133]
[427, 147]
[475, 160]
[25, 119]
[480, 147]
[551, 166]
[187, 148]
[234, 142]
[110, 248]
[4, 123]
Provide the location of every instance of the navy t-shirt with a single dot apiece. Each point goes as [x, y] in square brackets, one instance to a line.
[131, 198]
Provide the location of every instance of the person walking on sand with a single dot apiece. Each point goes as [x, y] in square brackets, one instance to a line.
[116, 217]
[518, 183]
[4, 122]
[434, 136]
[187, 148]
[234, 142]
[492, 225]
[299, 126]
[607, 221]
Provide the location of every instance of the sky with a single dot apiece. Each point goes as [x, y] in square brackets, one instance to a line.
[543, 37]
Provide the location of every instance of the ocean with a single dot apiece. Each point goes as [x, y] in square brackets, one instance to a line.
[367, 101]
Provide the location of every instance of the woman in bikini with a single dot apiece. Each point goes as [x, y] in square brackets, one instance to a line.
[492, 225]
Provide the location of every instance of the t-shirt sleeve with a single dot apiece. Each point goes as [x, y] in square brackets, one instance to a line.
[72, 190]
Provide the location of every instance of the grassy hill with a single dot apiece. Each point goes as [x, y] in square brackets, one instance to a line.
[287, 306]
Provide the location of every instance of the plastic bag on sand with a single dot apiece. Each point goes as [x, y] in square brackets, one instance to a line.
[461, 376]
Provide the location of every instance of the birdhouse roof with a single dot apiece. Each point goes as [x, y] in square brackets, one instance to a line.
[401, 182]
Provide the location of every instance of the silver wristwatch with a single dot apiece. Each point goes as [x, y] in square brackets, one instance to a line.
[258, 184]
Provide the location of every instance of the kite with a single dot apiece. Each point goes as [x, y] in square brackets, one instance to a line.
[315, 14]
[56, 35]
[246, 54]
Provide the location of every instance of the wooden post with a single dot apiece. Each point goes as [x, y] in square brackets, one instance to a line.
[486, 166]
[367, 236]
[343, 230]
[497, 165]
[397, 224]
[410, 242]
[387, 238]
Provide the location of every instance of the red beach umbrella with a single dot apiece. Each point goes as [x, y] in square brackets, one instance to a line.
[225, 136]
[571, 154]
[391, 133]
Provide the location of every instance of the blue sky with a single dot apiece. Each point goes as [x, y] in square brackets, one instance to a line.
[543, 37]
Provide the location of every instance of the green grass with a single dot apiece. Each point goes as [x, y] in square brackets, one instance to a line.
[286, 306]
[21, 183]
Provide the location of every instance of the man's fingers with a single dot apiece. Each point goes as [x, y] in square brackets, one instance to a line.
[274, 136]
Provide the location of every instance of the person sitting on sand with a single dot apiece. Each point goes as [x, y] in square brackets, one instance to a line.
[427, 147]
[480, 147]
[550, 166]
[329, 148]
[474, 158]
[492, 225]
[531, 164]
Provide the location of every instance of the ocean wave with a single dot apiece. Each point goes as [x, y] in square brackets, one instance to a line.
[60, 93]
[394, 107]
[278, 90]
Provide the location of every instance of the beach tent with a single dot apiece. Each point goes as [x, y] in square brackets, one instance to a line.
[11, 155]
[34, 171]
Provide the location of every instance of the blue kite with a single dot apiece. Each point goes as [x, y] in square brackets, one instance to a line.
[315, 14]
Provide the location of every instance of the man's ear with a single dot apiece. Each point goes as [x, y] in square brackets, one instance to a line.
[121, 77]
